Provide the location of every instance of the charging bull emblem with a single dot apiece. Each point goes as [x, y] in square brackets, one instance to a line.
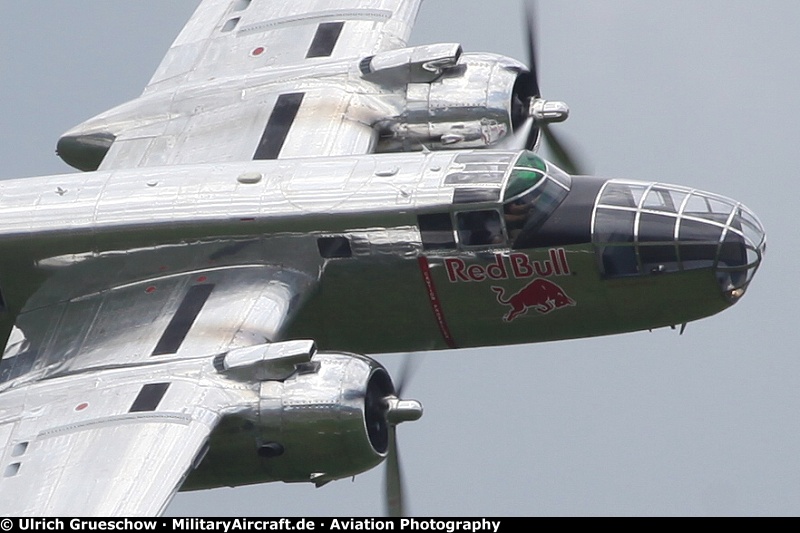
[541, 294]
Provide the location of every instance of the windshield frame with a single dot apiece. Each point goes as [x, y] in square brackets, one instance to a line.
[525, 211]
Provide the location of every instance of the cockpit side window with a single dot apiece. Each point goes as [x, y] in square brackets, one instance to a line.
[436, 230]
[480, 228]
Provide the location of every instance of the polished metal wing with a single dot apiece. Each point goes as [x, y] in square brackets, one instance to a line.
[253, 79]
[227, 38]
[151, 317]
[111, 391]
[106, 443]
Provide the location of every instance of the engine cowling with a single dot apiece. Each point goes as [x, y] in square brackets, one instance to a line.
[315, 417]
[328, 421]
[475, 103]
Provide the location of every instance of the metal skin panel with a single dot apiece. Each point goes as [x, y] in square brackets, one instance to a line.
[388, 309]
[594, 307]
[249, 305]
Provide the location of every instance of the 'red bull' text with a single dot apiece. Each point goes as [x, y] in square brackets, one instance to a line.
[515, 265]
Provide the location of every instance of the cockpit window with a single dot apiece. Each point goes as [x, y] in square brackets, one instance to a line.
[529, 188]
[472, 169]
[534, 190]
[480, 228]
[661, 199]
[528, 171]
[641, 229]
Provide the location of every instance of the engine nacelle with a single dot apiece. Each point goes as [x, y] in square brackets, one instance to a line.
[474, 104]
[326, 422]
[327, 417]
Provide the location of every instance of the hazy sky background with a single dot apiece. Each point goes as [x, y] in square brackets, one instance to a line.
[702, 94]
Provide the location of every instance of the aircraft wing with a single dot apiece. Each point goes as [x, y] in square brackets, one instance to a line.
[111, 393]
[253, 79]
[106, 443]
[225, 38]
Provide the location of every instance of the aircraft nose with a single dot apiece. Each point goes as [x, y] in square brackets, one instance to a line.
[742, 248]
[646, 229]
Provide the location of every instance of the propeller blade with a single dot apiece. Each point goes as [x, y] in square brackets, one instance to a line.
[396, 412]
[532, 138]
[530, 18]
[410, 365]
[540, 112]
[523, 138]
[563, 156]
[393, 478]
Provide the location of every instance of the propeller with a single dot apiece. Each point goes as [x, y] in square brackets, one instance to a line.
[398, 411]
[533, 114]
[530, 26]
[563, 155]
[394, 488]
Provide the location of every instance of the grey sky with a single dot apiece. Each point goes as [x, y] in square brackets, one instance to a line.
[693, 93]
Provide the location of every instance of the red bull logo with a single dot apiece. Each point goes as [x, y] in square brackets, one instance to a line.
[516, 266]
[542, 295]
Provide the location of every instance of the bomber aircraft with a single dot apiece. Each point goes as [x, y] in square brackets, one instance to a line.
[198, 308]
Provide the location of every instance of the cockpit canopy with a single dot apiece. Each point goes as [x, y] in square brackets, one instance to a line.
[533, 191]
[498, 197]
[641, 228]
